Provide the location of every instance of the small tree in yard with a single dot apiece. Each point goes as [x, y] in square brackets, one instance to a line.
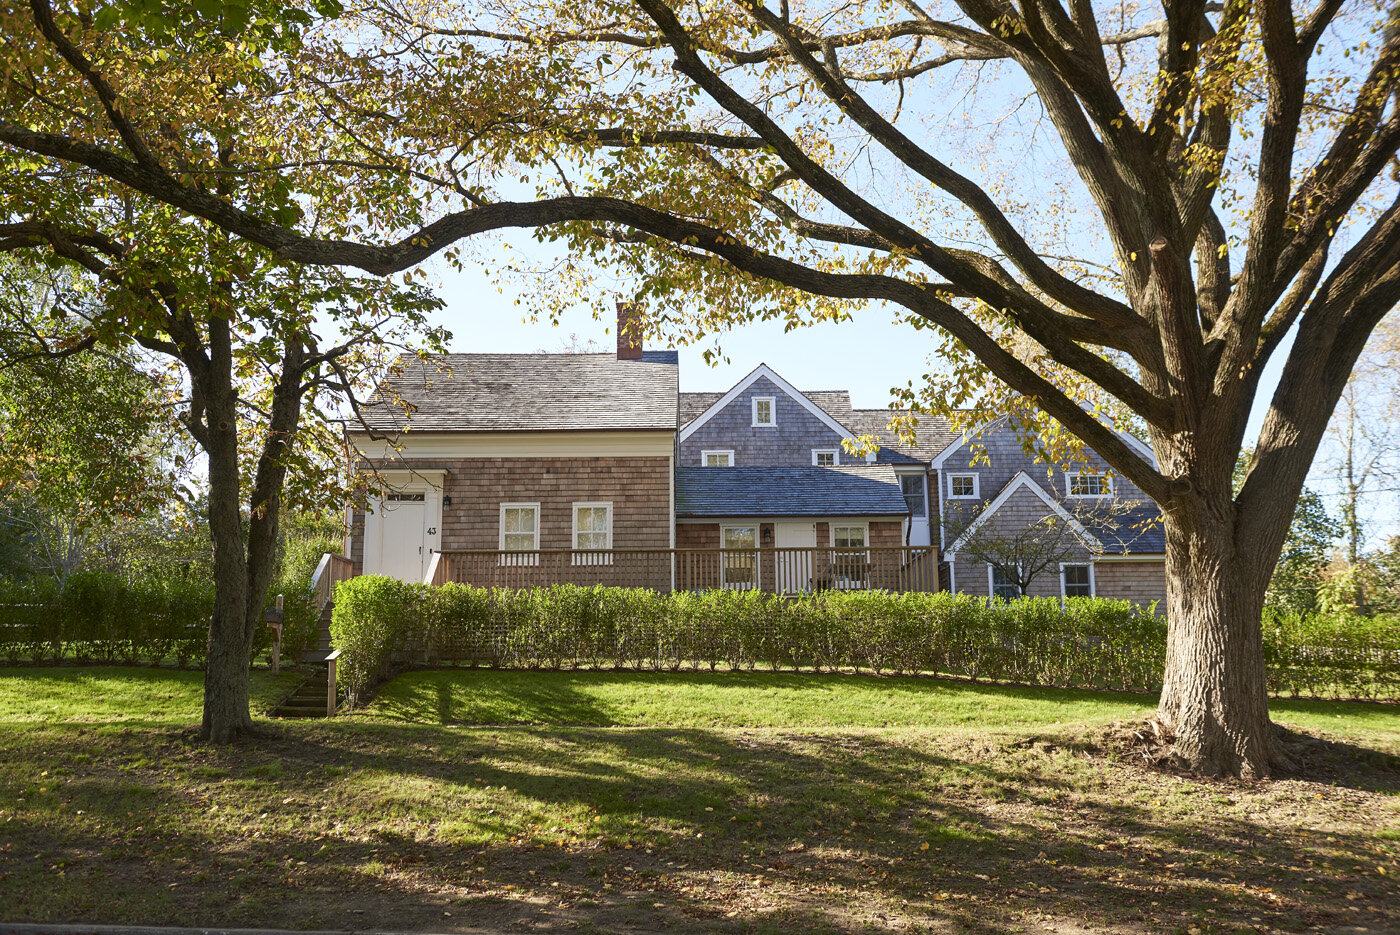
[1022, 554]
[1206, 190]
[265, 351]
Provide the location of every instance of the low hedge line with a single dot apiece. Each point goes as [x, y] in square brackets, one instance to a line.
[99, 617]
[1332, 656]
[1087, 643]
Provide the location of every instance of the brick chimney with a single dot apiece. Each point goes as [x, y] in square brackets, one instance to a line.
[629, 332]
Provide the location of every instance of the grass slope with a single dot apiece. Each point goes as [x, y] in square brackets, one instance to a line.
[949, 822]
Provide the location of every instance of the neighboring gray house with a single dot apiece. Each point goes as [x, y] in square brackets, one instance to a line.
[533, 468]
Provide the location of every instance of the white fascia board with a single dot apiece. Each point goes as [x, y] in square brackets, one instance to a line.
[1021, 480]
[763, 370]
[967, 436]
[1130, 557]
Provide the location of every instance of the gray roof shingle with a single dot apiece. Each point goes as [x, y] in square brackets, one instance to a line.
[866, 490]
[1134, 529]
[932, 434]
[529, 392]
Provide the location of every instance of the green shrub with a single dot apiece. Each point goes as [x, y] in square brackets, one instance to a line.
[1082, 642]
[101, 617]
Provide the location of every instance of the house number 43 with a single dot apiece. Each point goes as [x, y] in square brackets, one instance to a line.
[432, 530]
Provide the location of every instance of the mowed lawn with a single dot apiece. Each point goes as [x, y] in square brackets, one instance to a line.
[639, 802]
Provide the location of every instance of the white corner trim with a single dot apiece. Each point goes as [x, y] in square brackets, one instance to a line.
[1023, 479]
[763, 370]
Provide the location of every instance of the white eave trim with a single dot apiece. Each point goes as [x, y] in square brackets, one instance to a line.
[1021, 480]
[763, 370]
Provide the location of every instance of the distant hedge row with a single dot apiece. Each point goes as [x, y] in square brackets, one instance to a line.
[99, 617]
[1088, 642]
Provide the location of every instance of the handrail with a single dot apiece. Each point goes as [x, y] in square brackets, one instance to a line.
[331, 570]
[432, 573]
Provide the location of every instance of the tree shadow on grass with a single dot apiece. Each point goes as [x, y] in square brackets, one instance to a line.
[812, 832]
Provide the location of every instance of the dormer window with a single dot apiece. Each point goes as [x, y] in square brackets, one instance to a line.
[765, 411]
[824, 457]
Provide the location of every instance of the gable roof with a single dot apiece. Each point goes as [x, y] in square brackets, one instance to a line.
[763, 371]
[1134, 528]
[528, 392]
[1021, 481]
[857, 490]
[932, 436]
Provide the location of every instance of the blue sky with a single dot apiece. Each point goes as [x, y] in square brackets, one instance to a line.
[866, 356]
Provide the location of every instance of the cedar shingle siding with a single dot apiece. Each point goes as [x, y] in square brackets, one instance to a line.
[789, 442]
[639, 489]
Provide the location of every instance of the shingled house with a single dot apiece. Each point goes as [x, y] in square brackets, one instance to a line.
[524, 469]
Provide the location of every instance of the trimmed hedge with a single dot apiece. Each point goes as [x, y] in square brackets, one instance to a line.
[1086, 643]
[99, 617]
[1091, 643]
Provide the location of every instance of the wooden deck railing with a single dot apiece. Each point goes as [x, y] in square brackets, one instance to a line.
[780, 571]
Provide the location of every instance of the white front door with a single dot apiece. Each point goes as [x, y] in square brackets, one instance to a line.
[793, 573]
[402, 522]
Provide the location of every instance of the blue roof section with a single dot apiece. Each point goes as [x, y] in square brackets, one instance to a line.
[789, 491]
[1128, 530]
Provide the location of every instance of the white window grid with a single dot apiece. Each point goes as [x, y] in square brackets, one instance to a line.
[724, 455]
[768, 405]
[959, 482]
[825, 457]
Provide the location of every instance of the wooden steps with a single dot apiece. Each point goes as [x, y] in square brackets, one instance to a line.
[309, 700]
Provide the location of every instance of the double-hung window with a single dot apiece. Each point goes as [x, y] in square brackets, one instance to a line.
[1002, 585]
[1077, 580]
[520, 532]
[850, 563]
[593, 533]
[765, 411]
[740, 567]
[912, 486]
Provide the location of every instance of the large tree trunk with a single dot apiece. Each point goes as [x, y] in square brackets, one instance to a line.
[226, 708]
[1214, 692]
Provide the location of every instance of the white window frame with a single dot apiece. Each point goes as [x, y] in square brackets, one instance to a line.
[527, 556]
[724, 558]
[831, 534]
[923, 482]
[1093, 585]
[584, 556]
[772, 402]
[835, 456]
[1105, 481]
[976, 486]
[705, 456]
[991, 582]
[852, 555]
